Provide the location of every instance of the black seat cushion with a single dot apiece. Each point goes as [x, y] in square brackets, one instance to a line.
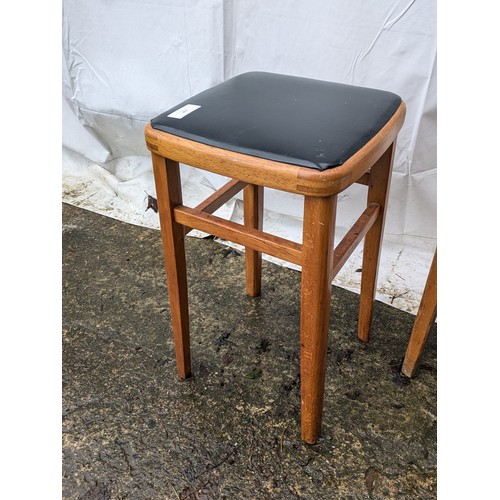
[300, 121]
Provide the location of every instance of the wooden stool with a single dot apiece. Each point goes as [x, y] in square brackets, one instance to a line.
[299, 135]
[425, 318]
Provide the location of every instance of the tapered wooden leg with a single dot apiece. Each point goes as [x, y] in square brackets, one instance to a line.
[378, 192]
[253, 199]
[425, 317]
[317, 248]
[169, 195]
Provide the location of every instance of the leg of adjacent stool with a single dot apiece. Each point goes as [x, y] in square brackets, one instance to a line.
[169, 195]
[317, 249]
[253, 199]
[425, 317]
[378, 192]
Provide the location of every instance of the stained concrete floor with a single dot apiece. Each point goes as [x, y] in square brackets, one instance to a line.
[132, 429]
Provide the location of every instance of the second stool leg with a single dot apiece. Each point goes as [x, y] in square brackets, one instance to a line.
[378, 192]
[253, 200]
[169, 195]
[423, 321]
[317, 250]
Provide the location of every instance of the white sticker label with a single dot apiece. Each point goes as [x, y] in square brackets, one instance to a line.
[184, 111]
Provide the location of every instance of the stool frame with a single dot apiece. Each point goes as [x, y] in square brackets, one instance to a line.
[320, 261]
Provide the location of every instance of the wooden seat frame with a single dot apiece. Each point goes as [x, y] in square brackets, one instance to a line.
[371, 166]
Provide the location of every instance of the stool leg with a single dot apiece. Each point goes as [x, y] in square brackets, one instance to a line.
[253, 199]
[317, 248]
[425, 317]
[169, 195]
[378, 192]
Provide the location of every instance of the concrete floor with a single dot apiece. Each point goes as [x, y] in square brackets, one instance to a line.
[132, 429]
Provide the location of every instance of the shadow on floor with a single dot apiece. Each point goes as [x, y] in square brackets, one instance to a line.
[132, 429]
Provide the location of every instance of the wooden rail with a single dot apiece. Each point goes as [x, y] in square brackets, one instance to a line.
[246, 236]
[218, 198]
[357, 232]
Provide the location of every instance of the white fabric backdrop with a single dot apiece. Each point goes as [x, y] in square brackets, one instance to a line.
[125, 62]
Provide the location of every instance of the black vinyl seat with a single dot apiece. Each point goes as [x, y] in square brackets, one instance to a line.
[299, 121]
